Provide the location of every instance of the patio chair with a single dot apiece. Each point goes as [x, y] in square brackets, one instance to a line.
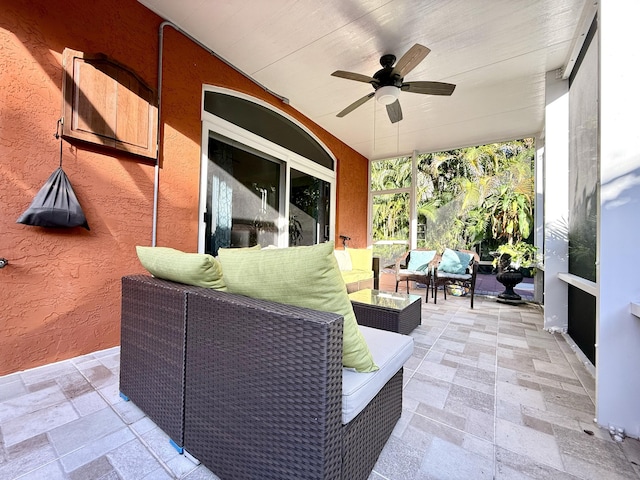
[416, 266]
[456, 267]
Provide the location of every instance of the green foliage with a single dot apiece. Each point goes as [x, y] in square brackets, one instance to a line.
[391, 217]
[522, 254]
[391, 174]
[463, 197]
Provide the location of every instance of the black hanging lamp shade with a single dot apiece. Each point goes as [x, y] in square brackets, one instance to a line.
[56, 204]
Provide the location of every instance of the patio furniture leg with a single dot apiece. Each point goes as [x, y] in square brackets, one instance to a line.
[177, 447]
[427, 283]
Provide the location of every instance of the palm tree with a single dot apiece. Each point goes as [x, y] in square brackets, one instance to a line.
[511, 203]
[391, 174]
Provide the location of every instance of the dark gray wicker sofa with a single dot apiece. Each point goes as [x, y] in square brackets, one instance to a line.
[253, 389]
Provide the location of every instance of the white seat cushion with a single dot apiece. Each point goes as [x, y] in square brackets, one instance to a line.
[390, 351]
[412, 272]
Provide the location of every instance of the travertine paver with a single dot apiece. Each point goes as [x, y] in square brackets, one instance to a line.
[487, 394]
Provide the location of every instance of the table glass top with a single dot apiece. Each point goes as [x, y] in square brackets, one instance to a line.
[398, 301]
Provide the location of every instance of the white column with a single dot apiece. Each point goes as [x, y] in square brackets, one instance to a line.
[618, 331]
[556, 201]
[413, 206]
[538, 241]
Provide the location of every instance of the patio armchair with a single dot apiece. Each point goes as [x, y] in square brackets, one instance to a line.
[417, 266]
[456, 267]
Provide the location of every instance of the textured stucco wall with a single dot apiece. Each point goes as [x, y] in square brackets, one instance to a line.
[60, 294]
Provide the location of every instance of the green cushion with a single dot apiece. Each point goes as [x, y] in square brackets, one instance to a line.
[196, 269]
[454, 261]
[305, 276]
[356, 275]
[361, 258]
[419, 259]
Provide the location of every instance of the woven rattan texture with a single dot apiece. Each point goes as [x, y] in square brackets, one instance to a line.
[366, 435]
[264, 384]
[250, 388]
[152, 361]
[401, 321]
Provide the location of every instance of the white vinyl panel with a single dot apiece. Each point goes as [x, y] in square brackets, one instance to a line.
[496, 51]
[618, 350]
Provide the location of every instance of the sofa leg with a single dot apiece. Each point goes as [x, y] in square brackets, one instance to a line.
[179, 449]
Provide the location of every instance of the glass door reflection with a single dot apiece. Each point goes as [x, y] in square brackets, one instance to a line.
[308, 209]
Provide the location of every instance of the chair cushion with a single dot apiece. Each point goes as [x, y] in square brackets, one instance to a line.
[455, 276]
[305, 276]
[356, 275]
[403, 273]
[390, 351]
[419, 259]
[361, 258]
[454, 261]
[197, 269]
[344, 260]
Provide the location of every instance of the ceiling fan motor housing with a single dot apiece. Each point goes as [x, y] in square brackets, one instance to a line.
[386, 77]
[388, 83]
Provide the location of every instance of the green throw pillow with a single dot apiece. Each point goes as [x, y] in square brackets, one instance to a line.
[302, 276]
[196, 269]
[419, 260]
[454, 261]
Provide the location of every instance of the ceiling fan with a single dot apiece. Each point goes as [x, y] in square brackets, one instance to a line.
[389, 81]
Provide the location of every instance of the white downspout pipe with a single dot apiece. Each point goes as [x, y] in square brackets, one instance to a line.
[156, 181]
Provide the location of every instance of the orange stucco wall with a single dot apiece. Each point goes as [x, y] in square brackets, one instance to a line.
[60, 293]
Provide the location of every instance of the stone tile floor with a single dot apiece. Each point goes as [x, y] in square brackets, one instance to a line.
[488, 395]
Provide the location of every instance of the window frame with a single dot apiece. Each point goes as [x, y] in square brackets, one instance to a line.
[289, 159]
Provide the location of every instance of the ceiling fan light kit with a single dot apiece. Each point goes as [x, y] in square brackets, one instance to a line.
[387, 95]
[388, 81]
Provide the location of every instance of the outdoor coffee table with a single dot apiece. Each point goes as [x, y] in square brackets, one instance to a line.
[397, 312]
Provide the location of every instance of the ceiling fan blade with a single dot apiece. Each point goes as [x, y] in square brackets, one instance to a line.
[410, 59]
[429, 88]
[355, 105]
[394, 111]
[354, 76]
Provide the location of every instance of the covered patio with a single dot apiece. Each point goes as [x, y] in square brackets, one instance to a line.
[495, 392]
[488, 394]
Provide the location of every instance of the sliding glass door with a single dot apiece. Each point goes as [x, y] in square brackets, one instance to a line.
[243, 197]
[308, 209]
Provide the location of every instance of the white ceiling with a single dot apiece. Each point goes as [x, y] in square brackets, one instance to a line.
[496, 51]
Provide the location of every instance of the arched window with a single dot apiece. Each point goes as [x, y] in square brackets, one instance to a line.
[266, 180]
